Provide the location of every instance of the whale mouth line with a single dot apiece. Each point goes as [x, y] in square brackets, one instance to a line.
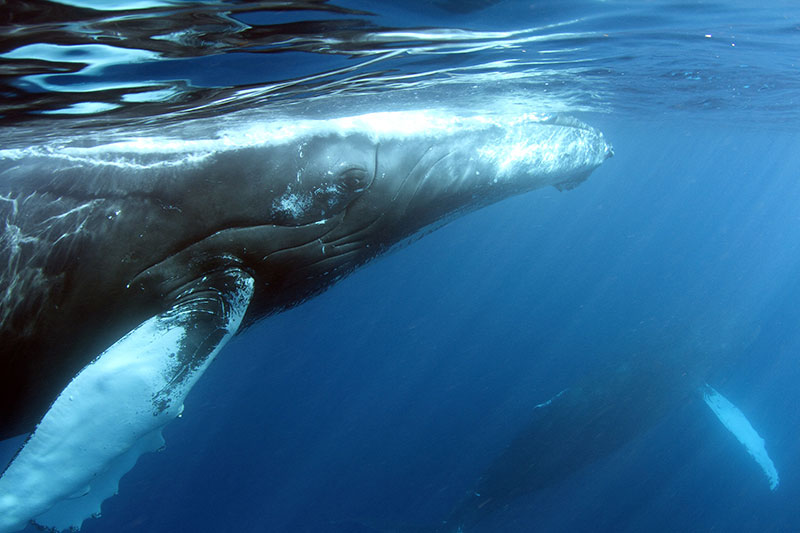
[245, 228]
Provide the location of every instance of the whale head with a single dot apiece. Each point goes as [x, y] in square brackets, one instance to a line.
[373, 182]
[303, 204]
[424, 172]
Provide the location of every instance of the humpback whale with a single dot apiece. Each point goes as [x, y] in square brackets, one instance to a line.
[131, 261]
[600, 413]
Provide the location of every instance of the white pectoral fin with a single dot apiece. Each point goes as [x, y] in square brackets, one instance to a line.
[735, 421]
[114, 409]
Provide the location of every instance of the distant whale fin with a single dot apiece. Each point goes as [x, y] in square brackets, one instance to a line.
[735, 421]
[114, 409]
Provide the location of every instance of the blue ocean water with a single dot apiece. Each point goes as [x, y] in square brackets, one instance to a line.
[380, 404]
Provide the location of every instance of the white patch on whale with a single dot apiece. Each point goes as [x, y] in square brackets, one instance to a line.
[110, 413]
[738, 424]
[292, 204]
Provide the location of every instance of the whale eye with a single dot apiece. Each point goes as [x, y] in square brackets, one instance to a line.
[353, 180]
[343, 188]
